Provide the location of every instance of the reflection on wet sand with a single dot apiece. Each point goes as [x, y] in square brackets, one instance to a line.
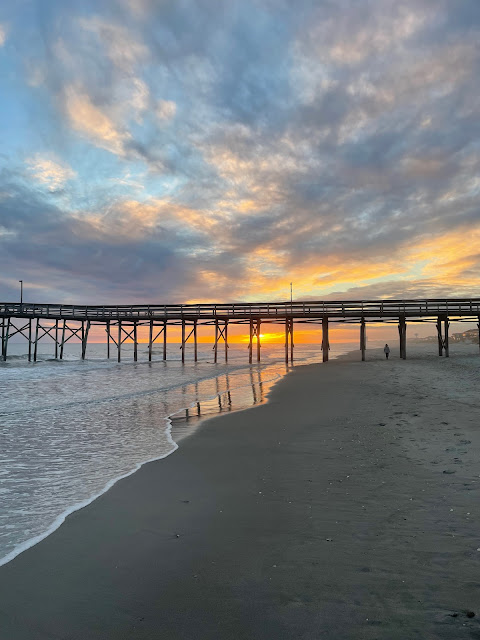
[185, 421]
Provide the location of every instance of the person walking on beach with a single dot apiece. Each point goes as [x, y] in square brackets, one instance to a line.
[386, 351]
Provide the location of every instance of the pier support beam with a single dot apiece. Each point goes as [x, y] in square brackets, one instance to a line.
[29, 340]
[165, 340]
[108, 338]
[5, 336]
[478, 325]
[225, 337]
[85, 338]
[250, 343]
[446, 325]
[10, 328]
[439, 336]
[325, 340]
[363, 338]
[63, 339]
[52, 333]
[56, 339]
[150, 341]
[442, 335]
[124, 335]
[135, 342]
[195, 347]
[183, 341]
[255, 326]
[219, 335]
[119, 341]
[259, 322]
[186, 338]
[289, 340]
[153, 337]
[402, 332]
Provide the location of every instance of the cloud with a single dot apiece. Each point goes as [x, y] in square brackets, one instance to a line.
[89, 120]
[166, 109]
[49, 171]
[3, 34]
[120, 46]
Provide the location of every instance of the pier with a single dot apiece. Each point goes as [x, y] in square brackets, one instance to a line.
[62, 323]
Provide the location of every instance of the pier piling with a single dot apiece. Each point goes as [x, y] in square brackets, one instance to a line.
[363, 338]
[402, 332]
[325, 340]
[259, 323]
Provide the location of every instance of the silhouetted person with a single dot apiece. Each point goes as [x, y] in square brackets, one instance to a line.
[386, 351]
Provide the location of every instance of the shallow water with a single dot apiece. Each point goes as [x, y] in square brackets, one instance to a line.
[69, 429]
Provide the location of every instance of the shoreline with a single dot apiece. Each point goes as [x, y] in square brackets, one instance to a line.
[249, 489]
[172, 431]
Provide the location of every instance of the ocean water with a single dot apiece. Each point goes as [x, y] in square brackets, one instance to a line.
[69, 429]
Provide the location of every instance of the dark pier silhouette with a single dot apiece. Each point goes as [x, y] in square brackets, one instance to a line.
[62, 323]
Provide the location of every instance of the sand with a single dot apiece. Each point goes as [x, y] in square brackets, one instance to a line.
[344, 508]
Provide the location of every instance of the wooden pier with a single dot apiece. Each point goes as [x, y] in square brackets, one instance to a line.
[62, 323]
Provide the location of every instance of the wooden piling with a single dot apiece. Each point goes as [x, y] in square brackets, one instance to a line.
[119, 343]
[62, 344]
[291, 341]
[56, 339]
[195, 346]
[36, 343]
[250, 344]
[150, 341]
[439, 336]
[3, 334]
[478, 325]
[5, 339]
[30, 340]
[446, 325]
[286, 340]
[225, 337]
[325, 340]
[363, 336]
[165, 340]
[402, 332]
[135, 341]
[215, 346]
[183, 341]
[85, 339]
[108, 339]
[259, 322]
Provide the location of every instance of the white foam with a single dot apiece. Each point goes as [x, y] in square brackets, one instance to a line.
[80, 505]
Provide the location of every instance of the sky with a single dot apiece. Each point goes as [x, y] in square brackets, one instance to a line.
[196, 150]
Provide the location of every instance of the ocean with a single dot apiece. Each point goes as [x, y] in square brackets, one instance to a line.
[70, 429]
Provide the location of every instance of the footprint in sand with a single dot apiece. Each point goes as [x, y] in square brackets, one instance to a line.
[465, 442]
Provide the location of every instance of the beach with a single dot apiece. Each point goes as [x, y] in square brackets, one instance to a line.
[345, 507]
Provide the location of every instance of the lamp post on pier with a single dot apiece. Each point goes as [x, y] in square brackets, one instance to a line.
[21, 291]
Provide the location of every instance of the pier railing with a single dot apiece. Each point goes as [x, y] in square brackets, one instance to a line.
[243, 311]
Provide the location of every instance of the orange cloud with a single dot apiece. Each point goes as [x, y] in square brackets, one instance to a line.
[92, 122]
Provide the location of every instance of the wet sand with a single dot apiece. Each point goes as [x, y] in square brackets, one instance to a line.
[345, 508]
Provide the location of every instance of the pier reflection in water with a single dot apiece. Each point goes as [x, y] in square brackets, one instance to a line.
[185, 421]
